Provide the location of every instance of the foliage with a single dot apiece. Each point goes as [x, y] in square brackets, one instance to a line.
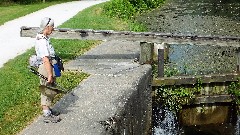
[127, 9]
[120, 8]
[94, 18]
[168, 70]
[234, 89]
[175, 96]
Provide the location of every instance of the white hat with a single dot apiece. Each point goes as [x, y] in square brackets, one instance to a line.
[46, 22]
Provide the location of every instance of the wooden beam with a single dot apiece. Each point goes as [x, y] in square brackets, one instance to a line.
[146, 53]
[160, 63]
[184, 80]
[213, 99]
[88, 34]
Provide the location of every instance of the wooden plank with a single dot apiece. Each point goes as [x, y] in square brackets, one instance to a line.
[183, 80]
[88, 34]
[213, 99]
[160, 62]
[146, 53]
[238, 59]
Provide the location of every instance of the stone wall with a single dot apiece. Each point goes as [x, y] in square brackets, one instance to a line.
[135, 117]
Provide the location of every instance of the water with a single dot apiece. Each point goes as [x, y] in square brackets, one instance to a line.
[200, 17]
[237, 126]
[202, 60]
[166, 122]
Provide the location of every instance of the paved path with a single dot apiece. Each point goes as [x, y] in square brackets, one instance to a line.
[11, 44]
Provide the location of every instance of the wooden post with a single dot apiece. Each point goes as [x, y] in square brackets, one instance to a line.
[146, 53]
[238, 60]
[160, 63]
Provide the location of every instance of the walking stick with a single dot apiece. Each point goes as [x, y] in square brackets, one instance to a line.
[32, 70]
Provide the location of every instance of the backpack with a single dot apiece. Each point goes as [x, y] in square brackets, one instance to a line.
[34, 61]
[59, 63]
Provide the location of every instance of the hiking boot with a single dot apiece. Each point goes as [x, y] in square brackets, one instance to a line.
[54, 112]
[51, 118]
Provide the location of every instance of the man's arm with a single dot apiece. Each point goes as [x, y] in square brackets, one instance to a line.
[48, 67]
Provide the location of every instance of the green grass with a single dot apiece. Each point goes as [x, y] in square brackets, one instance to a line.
[8, 13]
[93, 18]
[19, 96]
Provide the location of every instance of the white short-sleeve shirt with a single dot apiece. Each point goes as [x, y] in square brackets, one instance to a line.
[43, 47]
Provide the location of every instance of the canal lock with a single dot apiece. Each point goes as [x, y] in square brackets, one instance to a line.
[193, 99]
[202, 18]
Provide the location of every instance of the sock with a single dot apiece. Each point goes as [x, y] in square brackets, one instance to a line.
[46, 112]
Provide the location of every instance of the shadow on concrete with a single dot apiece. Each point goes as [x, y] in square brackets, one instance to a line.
[110, 56]
[66, 103]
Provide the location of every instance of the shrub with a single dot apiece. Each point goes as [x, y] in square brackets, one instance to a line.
[126, 9]
[119, 8]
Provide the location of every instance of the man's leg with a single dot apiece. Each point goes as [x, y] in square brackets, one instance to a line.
[47, 114]
[47, 97]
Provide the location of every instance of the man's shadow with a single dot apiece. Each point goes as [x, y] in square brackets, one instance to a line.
[67, 101]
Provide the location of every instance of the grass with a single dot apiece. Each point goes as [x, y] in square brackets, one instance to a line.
[19, 96]
[8, 13]
[93, 18]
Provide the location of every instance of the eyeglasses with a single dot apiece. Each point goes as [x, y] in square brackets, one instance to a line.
[48, 21]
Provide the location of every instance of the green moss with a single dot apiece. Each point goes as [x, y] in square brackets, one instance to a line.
[174, 97]
[234, 89]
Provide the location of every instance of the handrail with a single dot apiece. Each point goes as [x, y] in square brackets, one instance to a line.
[171, 38]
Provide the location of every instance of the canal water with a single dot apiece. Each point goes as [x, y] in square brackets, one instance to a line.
[165, 122]
[200, 17]
[196, 17]
[201, 60]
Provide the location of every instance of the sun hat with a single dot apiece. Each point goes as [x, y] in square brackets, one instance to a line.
[46, 21]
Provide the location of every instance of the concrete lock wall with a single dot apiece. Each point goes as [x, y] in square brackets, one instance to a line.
[117, 93]
[135, 117]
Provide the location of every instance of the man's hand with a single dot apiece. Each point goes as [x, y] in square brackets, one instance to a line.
[50, 79]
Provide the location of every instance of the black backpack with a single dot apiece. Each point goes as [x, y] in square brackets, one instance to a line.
[59, 63]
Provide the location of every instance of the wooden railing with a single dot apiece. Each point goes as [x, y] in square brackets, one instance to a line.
[89, 34]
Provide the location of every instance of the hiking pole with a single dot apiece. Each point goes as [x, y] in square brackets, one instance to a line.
[45, 78]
